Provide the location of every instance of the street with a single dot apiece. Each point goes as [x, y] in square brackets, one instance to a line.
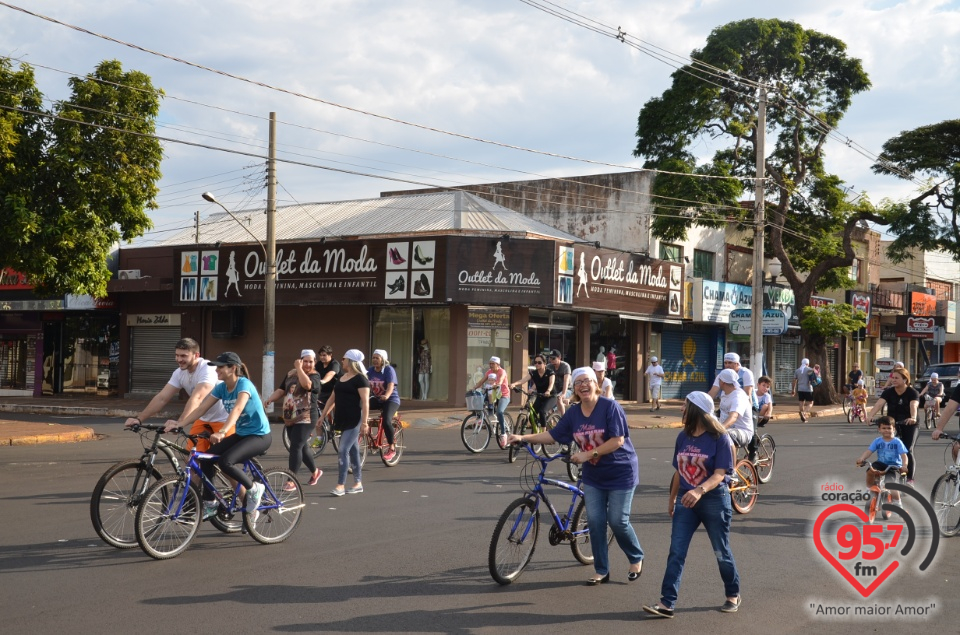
[409, 555]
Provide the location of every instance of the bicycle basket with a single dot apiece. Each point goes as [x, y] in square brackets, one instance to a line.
[474, 400]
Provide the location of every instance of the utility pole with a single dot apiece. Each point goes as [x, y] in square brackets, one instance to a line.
[270, 279]
[756, 311]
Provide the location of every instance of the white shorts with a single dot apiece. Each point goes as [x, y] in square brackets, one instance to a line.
[655, 392]
[739, 436]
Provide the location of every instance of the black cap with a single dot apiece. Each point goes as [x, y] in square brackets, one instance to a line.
[555, 353]
[226, 359]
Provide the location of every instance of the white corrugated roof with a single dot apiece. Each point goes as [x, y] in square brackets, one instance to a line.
[417, 213]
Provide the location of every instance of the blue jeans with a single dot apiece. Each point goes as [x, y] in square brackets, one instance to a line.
[610, 506]
[502, 404]
[714, 511]
[349, 450]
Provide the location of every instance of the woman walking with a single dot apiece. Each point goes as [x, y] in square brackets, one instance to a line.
[298, 391]
[610, 470]
[703, 460]
[351, 395]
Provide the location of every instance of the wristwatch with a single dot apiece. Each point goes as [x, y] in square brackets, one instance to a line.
[596, 454]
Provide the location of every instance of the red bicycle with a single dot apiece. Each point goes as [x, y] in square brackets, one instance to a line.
[377, 441]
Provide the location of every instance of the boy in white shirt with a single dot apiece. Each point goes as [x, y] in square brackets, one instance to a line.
[655, 373]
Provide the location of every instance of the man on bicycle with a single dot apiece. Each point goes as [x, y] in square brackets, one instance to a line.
[736, 413]
[745, 378]
[854, 376]
[934, 392]
[561, 384]
[194, 376]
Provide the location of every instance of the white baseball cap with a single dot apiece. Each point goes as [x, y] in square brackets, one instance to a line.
[653, 359]
[599, 367]
[934, 376]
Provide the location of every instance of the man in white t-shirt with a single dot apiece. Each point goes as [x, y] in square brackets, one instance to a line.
[744, 378]
[194, 376]
[655, 373]
[736, 412]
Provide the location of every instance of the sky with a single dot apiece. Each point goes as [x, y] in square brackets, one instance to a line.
[494, 70]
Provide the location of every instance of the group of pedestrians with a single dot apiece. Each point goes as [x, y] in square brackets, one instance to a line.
[703, 464]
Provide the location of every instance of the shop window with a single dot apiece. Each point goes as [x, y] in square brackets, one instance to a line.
[488, 334]
[402, 332]
[703, 264]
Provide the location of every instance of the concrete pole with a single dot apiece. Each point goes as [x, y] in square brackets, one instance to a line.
[756, 312]
[270, 276]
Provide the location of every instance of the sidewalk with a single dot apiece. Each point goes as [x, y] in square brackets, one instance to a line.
[639, 416]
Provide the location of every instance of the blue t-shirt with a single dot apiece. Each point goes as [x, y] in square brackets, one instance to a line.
[696, 458]
[253, 420]
[889, 451]
[618, 470]
[380, 379]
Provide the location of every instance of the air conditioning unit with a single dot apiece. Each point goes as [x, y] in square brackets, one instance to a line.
[129, 274]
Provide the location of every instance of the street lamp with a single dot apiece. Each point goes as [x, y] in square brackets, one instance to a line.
[774, 267]
[269, 296]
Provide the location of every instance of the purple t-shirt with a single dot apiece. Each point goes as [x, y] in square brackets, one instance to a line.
[618, 470]
[696, 458]
[380, 379]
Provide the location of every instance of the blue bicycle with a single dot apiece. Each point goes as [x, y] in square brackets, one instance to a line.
[515, 536]
[171, 511]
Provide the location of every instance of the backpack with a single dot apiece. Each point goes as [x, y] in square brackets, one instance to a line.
[813, 378]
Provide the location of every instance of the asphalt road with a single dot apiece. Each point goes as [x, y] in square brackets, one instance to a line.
[409, 555]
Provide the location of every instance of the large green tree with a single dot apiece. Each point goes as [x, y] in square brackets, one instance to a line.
[77, 177]
[929, 220]
[809, 81]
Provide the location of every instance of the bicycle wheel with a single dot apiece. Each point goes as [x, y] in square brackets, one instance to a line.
[475, 432]
[574, 469]
[279, 510]
[168, 518]
[847, 408]
[229, 522]
[514, 540]
[580, 543]
[766, 452]
[743, 493]
[861, 415]
[507, 428]
[520, 428]
[551, 449]
[398, 441]
[927, 418]
[946, 503]
[113, 505]
[871, 507]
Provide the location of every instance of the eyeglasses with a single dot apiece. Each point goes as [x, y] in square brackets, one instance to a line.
[582, 382]
[539, 361]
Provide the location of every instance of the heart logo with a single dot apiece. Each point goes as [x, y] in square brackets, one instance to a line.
[829, 557]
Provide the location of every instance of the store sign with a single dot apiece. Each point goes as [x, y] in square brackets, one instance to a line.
[611, 280]
[87, 303]
[860, 301]
[153, 319]
[917, 327]
[714, 301]
[819, 302]
[31, 305]
[497, 271]
[12, 280]
[885, 364]
[923, 304]
[774, 322]
[479, 317]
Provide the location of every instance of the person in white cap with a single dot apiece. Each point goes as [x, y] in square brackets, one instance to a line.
[744, 376]
[298, 391]
[934, 392]
[699, 495]
[655, 373]
[610, 473]
[351, 396]
[802, 387]
[606, 386]
[736, 411]
[496, 386]
[384, 395]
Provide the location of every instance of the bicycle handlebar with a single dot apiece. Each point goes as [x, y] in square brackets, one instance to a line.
[147, 426]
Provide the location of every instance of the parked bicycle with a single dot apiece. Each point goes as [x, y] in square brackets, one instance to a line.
[881, 498]
[766, 454]
[171, 511]
[117, 495]
[515, 536]
[481, 423]
[945, 495]
[528, 422]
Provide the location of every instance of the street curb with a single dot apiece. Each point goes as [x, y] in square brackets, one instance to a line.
[67, 434]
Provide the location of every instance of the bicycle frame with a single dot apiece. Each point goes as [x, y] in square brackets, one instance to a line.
[378, 441]
[541, 495]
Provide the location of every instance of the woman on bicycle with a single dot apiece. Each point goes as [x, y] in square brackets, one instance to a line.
[298, 391]
[934, 392]
[351, 396]
[610, 469]
[246, 419]
[384, 395]
[703, 460]
[542, 378]
[496, 382]
[901, 401]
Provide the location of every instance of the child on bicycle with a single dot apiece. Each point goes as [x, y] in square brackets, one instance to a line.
[934, 392]
[891, 452]
[860, 395]
[764, 401]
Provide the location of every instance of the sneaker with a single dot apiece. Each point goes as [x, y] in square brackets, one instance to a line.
[290, 487]
[356, 489]
[803, 417]
[659, 610]
[316, 477]
[731, 607]
[254, 496]
[502, 440]
[210, 509]
[389, 455]
[336, 491]
[910, 482]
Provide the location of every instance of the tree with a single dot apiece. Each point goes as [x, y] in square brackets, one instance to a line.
[832, 320]
[929, 220]
[810, 81]
[76, 178]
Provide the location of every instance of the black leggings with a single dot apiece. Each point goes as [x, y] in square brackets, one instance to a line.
[298, 434]
[235, 450]
[387, 409]
[543, 405]
[908, 434]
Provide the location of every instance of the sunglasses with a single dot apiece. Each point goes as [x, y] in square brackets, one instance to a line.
[538, 361]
